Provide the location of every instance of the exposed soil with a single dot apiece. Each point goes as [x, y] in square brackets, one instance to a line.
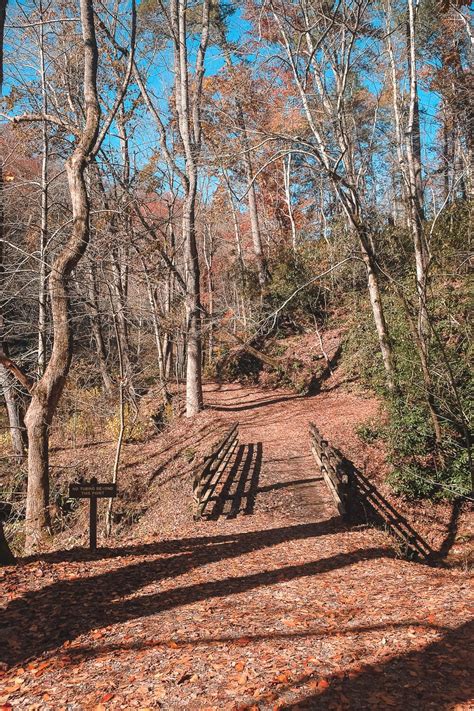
[270, 602]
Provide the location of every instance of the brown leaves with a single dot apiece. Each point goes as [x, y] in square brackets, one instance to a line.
[106, 698]
[280, 608]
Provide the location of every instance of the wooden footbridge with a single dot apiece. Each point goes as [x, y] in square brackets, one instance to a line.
[357, 499]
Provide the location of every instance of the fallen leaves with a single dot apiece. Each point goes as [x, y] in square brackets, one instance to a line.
[106, 698]
[280, 609]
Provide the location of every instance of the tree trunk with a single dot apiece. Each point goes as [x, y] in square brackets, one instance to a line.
[188, 109]
[208, 258]
[351, 206]
[170, 288]
[42, 289]
[96, 326]
[377, 307]
[235, 222]
[118, 449]
[38, 420]
[253, 212]
[47, 391]
[121, 274]
[287, 183]
[6, 556]
[194, 397]
[119, 292]
[415, 184]
[14, 411]
[447, 156]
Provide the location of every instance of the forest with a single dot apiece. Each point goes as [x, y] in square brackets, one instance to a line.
[236, 232]
[183, 184]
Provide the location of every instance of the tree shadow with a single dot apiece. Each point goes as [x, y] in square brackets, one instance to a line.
[452, 531]
[273, 536]
[289, 484]
[254, 404]
[41, 620]
[239, 490]
[436, 677]
[318, 380]
[87, 652]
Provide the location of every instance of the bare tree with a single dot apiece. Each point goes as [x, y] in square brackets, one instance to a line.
[6, 556]
[187, 104]
[45, 393]
[408, 147]
[324, 45]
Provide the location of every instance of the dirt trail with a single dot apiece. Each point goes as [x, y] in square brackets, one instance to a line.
[271, 603]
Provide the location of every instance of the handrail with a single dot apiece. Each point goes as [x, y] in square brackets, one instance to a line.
[357, 498]
[337, 479]
[208, 475]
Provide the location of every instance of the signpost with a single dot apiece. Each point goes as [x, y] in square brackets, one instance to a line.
[92, 490]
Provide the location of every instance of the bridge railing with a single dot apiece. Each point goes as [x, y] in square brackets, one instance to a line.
[338, 479]
[208, 475]
[359, 501]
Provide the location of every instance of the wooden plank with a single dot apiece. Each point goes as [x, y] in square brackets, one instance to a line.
[331, 471]
[332, 486]
[93, 523]
[218, 473]
[337, 499]
[217, 465]
[316, 434]
[334, 461]
[207, 477]
[212, 457]
[222, 462]
[316, 456]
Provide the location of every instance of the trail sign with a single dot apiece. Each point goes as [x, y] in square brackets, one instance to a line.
[92, 490]
[87, 489]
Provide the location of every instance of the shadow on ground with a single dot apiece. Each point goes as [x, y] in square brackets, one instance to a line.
[238, 492]
[44, 619]
[253, 404]
[436, 677]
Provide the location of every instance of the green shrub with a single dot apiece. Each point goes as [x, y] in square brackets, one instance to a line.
[421, 467]
[369, 431]
[409, 480]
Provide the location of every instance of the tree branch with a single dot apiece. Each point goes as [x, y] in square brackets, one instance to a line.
[18, 372]
[29, 118]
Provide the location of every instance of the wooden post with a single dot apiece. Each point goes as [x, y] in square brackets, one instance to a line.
[93, 522]
[92, 490]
